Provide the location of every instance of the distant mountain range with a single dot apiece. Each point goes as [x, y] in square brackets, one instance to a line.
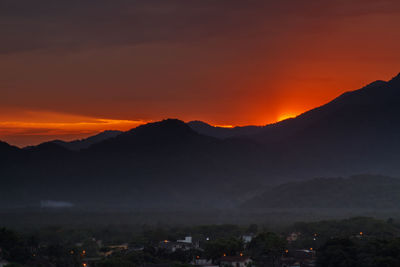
[221, 132]
[87, 142]
[172, 164]
[77, 145]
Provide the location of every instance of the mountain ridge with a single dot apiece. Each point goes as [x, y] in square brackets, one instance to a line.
[205, 128]
[360, 191]
[170, 164]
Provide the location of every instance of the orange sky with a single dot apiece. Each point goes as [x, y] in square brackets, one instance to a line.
[70, 70]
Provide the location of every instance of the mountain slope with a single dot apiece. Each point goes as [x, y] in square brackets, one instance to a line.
[77, 145]
[9, 154]
[221, 132]
[363, 191]
[358, 132]
[168, 164]
[375, 103]
[152, 135]
[158, 165]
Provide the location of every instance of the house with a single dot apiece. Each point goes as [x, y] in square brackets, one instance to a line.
[235, 261]
[299, 258]
[292, 237]
[201, 262]
[109, 250]
[299, 264]
[295, 264]
[157, 265]
[304, 254]
[88, 262]
[247, 238]
[171, 246]
[188, 239]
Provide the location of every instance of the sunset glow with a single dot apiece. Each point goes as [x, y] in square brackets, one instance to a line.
[282, 60]
[33, 127]
[285, 116]
[224, 126]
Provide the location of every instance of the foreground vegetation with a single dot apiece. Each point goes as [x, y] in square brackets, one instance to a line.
[352, 242]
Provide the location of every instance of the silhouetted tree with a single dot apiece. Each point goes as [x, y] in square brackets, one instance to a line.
[267, 247]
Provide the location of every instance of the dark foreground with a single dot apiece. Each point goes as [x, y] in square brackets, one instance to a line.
[358, 241]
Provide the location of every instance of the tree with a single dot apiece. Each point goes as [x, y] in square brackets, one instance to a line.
[338, 253]
[252, 229]
[216, 249]
[13, 247]
[267, 247]
[115, 262]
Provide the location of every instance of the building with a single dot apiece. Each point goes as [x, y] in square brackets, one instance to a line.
[201, 262]
[235, 261]
[109, 250]
[188, 239]
[247, 238]
[88, 262]
[171, 246]
[295, 264]
[299, 258]
[304, 254]
[292, 237]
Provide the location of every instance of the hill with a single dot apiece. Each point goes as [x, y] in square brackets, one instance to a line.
[87, 142]
[77, 145]
[358, 132]
[171, 164]
[154, 166]
[221, 132]
[357, 192]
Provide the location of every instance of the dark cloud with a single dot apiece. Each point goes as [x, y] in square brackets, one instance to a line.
[28, 25]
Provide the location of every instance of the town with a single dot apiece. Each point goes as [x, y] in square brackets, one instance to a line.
[303, 244]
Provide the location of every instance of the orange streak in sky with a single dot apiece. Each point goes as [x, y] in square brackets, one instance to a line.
[224, 126]
[285, 116]
[15, 127]
[32, 127]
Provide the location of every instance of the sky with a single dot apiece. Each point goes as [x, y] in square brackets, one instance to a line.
[69, 69]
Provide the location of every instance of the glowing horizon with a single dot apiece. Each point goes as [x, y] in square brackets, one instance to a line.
[227, 62]
[287, 115]
[34, 127]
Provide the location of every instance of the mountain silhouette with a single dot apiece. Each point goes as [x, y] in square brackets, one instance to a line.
[172, 164]
[87, 142]
[221, 132]
[357, 132]
[375, 103]
[9, 154]
[157, 165]
[157, 135]
[357, 192]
